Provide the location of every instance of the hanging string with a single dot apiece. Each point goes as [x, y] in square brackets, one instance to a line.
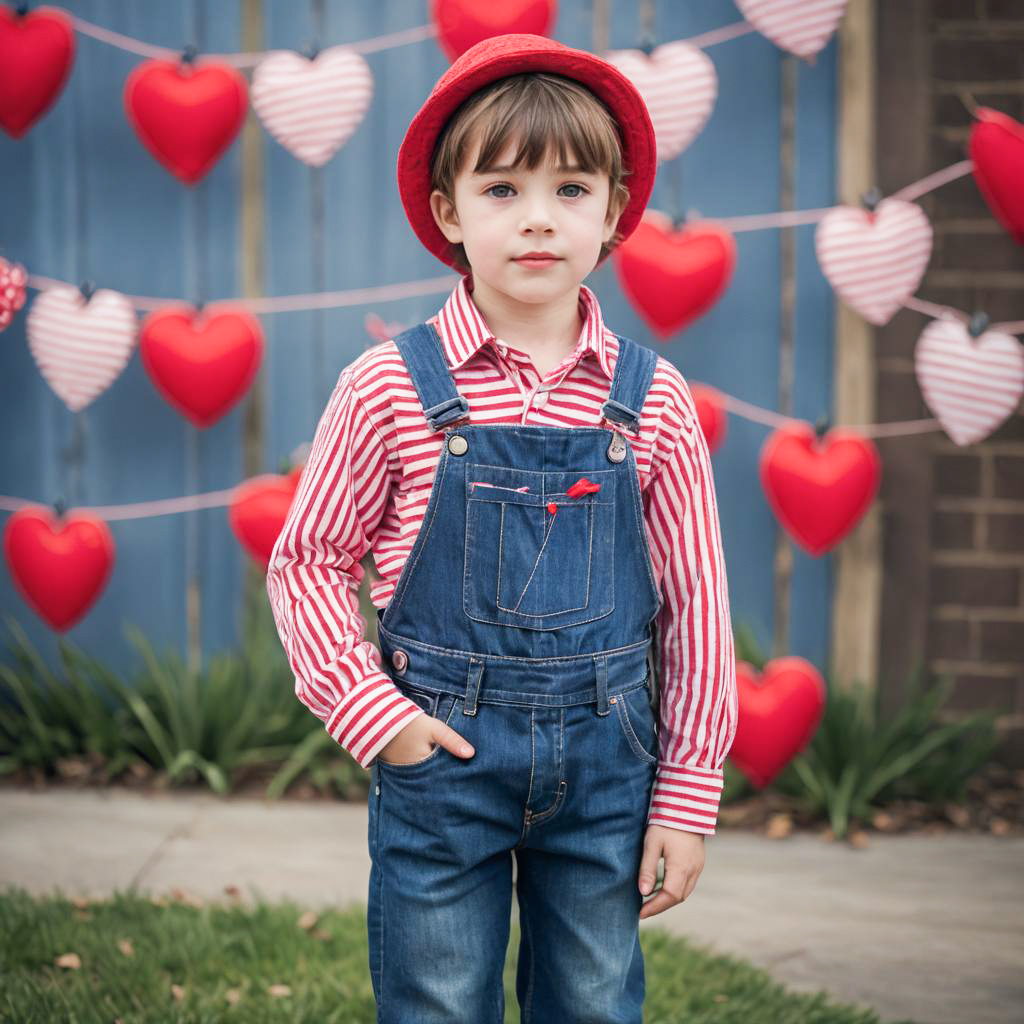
[374, 45]
[243, 60]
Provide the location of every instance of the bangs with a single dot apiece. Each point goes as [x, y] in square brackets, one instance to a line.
[548, 121]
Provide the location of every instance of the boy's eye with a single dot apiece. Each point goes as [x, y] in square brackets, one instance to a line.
[582, 190]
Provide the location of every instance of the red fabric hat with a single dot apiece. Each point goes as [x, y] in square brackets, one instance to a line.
[513, 54]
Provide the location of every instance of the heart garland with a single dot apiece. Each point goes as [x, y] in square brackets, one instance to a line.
[312, 107]
[186, 116]
[874, 260]
[258, 511]
[971, 385]
[201, 362]
[80, 346]
[679, 84]
[37, 50]
[818, 490]
[802, 28]
[780, 710]
[672, 276]
[464, 23]
[996, 149]
[60, 567]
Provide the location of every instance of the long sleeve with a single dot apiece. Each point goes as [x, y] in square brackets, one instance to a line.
[698, 696]
[313, 580]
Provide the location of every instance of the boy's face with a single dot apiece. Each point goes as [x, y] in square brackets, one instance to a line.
[502, 215]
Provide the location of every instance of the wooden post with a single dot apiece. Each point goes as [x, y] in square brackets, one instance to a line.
[856, 601]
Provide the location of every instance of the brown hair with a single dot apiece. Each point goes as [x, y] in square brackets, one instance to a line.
[539, 109]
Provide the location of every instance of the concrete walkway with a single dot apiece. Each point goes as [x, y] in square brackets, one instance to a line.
[926, 928]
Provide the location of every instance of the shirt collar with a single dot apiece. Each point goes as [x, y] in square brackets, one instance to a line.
[464, 331]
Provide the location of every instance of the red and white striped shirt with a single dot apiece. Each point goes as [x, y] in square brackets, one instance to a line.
[366, 485]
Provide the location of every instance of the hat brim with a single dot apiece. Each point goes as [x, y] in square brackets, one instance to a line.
[506, 55]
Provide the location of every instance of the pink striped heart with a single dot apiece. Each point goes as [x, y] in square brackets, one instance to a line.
[970, 384]
[802, 27]
[874, 261]
[80, 347]
[679, 84]
[312, 107]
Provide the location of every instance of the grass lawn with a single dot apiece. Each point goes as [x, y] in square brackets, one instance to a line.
[131, 959]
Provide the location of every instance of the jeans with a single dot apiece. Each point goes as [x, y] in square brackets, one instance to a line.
[442, 835]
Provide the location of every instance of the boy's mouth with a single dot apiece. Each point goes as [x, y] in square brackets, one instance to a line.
[537, 259]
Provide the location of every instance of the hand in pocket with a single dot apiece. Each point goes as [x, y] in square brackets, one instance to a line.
[418, 739]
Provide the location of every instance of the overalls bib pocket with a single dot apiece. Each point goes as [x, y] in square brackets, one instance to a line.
[526, 565]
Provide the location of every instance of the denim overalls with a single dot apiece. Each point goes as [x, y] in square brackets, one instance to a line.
[522, 619]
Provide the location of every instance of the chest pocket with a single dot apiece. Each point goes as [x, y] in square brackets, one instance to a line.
[526, 567]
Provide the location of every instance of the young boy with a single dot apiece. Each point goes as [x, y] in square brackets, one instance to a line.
[538, 498]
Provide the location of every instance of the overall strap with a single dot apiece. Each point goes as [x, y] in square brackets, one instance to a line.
[634, 371]
[420, 347]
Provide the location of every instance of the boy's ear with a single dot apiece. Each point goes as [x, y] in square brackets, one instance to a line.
[445, 216]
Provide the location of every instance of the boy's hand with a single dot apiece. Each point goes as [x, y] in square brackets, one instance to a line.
[684, 861]
[413, 743]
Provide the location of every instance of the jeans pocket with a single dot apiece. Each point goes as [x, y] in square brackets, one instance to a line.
[438, 705]
[639, 723]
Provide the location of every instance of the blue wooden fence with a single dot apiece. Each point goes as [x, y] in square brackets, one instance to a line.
[82, 200]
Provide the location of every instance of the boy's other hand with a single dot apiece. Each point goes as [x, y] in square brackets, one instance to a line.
[418, 739]
[684, 861]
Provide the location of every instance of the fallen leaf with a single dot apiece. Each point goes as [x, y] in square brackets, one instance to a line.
[779, 826]
[278, 991]
[178, 992]
[126, 947]
[860, 839]
[308, 920]
[72, 960]
[233, 996]
[999, 827]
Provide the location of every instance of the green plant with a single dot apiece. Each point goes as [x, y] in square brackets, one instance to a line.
[237, 716]
[45, 719]
[856, 763]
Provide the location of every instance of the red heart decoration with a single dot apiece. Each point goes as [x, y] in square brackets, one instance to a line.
[996, 147]
[672, 277]
[202, 363]
[780, 710]
[36, 53]
[59, 567]
[818, 490]
[186, 117]
[711, 413]
[258, 511]
[464, 23]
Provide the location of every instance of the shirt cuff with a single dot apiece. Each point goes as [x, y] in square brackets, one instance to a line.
[370, 716]
[686, 798]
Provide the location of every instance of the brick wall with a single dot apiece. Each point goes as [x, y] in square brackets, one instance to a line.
[967, 560]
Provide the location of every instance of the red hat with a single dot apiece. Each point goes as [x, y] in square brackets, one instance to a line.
[513, 54]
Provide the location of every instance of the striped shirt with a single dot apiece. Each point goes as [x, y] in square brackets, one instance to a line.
[365, 488]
